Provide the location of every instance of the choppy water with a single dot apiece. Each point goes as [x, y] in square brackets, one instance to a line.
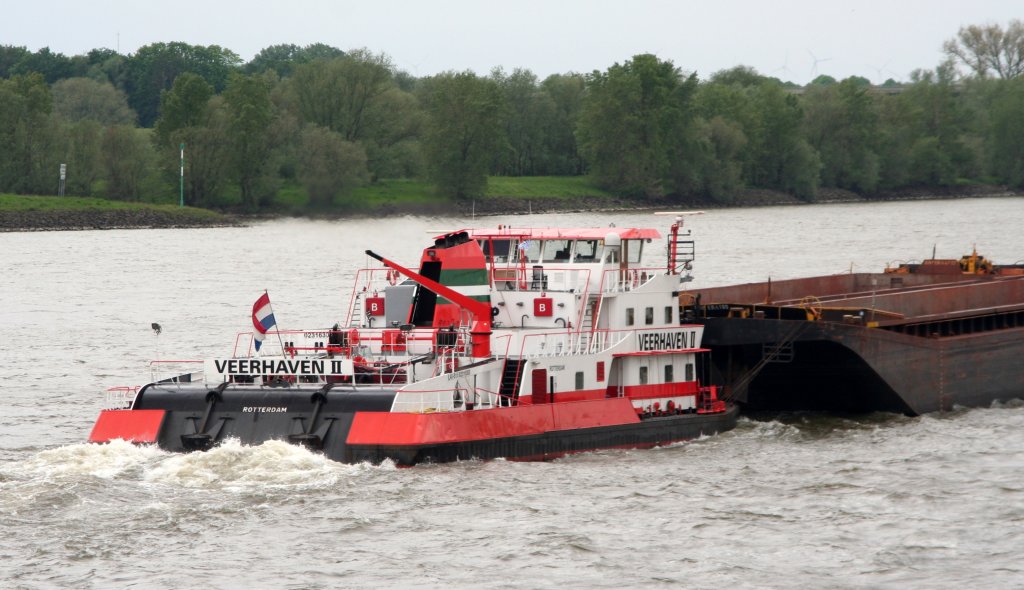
[794, 500]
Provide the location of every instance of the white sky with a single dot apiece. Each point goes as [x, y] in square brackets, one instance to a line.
[790, 39]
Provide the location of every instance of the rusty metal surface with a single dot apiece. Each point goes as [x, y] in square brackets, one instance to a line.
[908, 295]
[855, 368]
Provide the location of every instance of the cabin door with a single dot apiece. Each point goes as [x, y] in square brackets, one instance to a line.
[539, 380]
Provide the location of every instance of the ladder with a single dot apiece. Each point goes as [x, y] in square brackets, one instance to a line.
[510, 376]
[684, 252]
[355, 320]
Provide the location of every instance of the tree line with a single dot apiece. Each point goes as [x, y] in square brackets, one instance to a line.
[325, 121]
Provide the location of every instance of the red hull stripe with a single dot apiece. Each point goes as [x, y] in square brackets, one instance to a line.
[137, 426]
[572, 396]
[660, 390]
[386, 428]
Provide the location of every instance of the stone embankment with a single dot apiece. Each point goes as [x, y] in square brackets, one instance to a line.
[107, 219]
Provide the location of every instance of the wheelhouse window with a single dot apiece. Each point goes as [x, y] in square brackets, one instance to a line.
[501, 249]
[636, 248]
[556, 251]
[586, 251]
[531, 249]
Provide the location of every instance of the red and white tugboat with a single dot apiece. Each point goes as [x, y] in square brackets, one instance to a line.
[516, 343]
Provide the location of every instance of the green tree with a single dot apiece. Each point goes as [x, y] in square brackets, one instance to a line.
[841, 125]
[82, 156]
[184, 105]
[153, 69]
[337, 94]
[52, 66]
[356, 96]
[190, 114]
[464, 131]
[1006, 133]
[77, 99]
[938, 124]
[29, 136]
[561, 152]
[332, 166]
[126, 160]
[637, 129]
[526, 117]
[283, 58]
[207, 157]
[250, 112]
[723, 168]
[10, 56]
[107, 65]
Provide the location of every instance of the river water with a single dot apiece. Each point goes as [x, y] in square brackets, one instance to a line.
[876, 501]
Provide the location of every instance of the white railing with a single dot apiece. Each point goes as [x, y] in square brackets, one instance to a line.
[625, 280]
[164, 370]
[552, 279]
[120, 398]
[571, 343]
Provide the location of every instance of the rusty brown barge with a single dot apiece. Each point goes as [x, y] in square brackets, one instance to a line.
[914, 339]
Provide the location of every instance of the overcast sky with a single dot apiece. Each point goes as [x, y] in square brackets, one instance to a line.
[793, 40]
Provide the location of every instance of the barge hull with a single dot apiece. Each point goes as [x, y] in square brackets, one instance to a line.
[865, 342]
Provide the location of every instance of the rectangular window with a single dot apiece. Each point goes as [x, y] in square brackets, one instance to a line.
[556, 251]
[689, 371]
[668, 314]
[586, 250]
[530, 249]
[629, 316]
[600, 371]
[643, 375]
[649, 316]
[501, 248]
[669, 378]
[635, 248]
[579, 381]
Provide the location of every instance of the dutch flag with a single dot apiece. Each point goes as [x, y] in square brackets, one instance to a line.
[262, 319]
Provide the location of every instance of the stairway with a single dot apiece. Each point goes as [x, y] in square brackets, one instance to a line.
[510, 381]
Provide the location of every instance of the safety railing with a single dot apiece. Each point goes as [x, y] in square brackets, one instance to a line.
[176, 371]
[120, 398]
[621, 280]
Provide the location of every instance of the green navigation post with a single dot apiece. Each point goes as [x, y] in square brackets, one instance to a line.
[181, 189]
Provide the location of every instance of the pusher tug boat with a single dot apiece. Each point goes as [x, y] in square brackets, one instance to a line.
[519, 343]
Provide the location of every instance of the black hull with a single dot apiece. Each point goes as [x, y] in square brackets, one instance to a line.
[801, 365]
[197, 419]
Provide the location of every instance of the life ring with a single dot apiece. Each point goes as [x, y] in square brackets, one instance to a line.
[392, 277]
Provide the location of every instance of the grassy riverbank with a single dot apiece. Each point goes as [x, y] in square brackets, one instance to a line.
[504, 196]
[21, 212]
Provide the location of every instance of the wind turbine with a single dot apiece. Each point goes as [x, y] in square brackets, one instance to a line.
[785, 68]
[814, 66]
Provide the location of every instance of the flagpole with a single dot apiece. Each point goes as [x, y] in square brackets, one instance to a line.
[276, 325]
